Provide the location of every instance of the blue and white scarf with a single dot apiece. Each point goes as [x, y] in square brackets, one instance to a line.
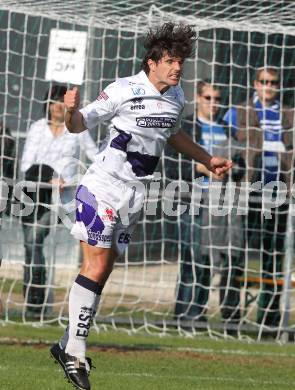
[271, 123]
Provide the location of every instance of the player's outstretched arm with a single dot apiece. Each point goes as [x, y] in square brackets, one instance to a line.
[73, 118]
[182, 143]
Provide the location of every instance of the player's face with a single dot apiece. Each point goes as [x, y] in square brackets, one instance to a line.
[57, 111]
[208, 103]
[166, 72]
[267, 87]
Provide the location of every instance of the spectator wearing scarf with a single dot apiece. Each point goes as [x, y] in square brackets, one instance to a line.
[265, 126]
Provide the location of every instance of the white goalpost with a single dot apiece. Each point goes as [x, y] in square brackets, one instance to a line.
[235, 38]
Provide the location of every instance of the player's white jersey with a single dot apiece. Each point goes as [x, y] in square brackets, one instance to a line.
[142, 119]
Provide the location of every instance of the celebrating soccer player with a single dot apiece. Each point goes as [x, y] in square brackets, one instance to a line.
[145, 113]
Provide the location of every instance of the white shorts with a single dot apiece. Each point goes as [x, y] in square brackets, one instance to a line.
[107, 210]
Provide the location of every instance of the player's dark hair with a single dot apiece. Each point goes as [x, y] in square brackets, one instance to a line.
[55, 93]
[174, 40]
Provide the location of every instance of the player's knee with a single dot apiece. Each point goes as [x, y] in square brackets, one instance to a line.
[100, 268]
[98, 264]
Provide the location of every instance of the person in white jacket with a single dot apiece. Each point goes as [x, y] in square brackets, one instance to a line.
[51, 155]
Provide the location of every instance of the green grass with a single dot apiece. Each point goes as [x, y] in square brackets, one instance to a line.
[141, 362]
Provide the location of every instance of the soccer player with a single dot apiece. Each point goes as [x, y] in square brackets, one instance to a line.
[145, 112]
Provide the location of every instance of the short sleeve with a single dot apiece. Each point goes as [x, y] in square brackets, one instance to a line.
[177, 126]
[179, 95]
[104, 107]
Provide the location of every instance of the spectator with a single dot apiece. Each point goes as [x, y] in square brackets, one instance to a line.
[49, 149]
[207, 241]
[265, 125]
[7, 161]
[7, 165]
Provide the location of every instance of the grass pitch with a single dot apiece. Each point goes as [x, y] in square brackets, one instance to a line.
[142, 362]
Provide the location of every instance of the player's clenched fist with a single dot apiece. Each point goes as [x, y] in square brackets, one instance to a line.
[72, 99]
[219, 165]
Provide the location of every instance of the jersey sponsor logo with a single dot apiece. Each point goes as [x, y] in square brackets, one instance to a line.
[137, 104]
[137, 107]
[103, 96]
[109, 215]
[137, 100]
[137, 91]
[158, 122]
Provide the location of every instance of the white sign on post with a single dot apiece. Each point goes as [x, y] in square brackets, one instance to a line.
[66, 56]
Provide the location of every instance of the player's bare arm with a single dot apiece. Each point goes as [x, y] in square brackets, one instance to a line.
[73, 118]
[182, 143]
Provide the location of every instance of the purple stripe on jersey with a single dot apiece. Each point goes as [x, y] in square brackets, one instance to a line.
[142, 164]
[120, 142]
[86, 212]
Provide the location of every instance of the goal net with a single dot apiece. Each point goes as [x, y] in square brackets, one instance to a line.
[201, 270]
